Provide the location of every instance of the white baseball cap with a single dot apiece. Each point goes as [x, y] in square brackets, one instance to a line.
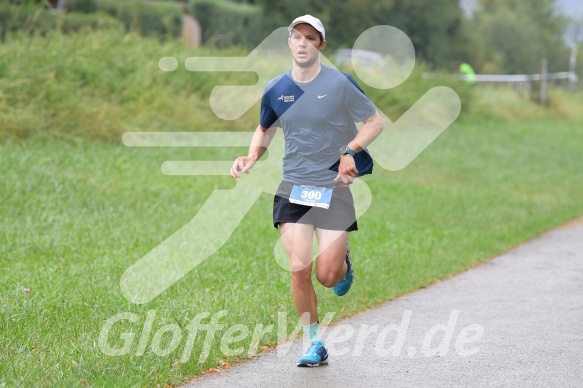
[312, 21]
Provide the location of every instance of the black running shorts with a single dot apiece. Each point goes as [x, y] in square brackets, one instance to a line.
[339, 216]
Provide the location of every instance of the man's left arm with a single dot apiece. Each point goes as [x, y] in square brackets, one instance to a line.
[372, 128]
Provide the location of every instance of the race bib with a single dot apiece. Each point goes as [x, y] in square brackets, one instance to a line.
[311, 196]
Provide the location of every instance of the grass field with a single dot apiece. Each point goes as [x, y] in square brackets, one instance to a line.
[77, 208]
[74, 216]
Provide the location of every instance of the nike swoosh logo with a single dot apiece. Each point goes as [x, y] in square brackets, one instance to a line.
[322, 96]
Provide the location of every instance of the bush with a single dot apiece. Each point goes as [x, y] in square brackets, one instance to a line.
[36, 20]
[13, 17]
[150, 19]
[225, 24]
[84, 6]
[163, 20]
[75, 21]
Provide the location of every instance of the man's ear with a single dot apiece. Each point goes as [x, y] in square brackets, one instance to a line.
[322, 45]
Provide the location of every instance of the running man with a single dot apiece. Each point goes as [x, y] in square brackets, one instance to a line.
[317, 107]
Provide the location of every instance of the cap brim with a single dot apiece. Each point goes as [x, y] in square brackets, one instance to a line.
[291, 26]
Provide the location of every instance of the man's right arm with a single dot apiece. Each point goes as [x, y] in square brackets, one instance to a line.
[261, 140]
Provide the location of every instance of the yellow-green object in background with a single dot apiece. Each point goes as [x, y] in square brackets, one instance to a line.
[469, 72]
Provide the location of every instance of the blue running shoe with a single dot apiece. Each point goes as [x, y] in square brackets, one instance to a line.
[316, 355]
[344, 285]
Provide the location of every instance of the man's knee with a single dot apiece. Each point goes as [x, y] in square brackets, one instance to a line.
[328, 278]
[301, 273]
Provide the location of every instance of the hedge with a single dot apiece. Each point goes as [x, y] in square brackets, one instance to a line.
[226, 24]
[163, 20]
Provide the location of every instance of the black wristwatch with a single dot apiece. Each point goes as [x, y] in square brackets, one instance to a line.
[346, 150]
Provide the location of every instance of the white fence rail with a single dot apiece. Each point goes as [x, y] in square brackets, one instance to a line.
[516, 79]
[508, 78]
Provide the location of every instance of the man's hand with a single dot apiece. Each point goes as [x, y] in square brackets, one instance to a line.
[347, 171]
[243, 164]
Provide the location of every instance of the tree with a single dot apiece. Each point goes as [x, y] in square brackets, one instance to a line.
[513, 36]
[434, 26]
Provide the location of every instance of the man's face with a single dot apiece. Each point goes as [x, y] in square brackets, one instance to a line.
[305, 45]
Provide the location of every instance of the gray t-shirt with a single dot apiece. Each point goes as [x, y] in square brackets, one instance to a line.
[317, 118]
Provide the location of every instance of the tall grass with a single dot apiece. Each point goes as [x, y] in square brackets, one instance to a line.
[100, 84]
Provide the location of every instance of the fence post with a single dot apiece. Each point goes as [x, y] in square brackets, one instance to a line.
[572, 60]
[543, 82]
[61, 4]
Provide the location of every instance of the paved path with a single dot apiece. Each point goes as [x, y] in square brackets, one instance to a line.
[514, 321]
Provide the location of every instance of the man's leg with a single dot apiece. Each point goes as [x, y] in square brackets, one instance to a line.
[331, 264]
[297, 241]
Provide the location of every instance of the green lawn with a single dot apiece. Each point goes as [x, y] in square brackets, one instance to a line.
[75, 215]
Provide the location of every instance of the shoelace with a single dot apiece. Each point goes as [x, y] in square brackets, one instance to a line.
[314, 348]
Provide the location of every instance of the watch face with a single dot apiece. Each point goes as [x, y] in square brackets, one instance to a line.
[343, 149]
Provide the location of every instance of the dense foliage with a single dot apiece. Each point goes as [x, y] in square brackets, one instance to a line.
[500, 36]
